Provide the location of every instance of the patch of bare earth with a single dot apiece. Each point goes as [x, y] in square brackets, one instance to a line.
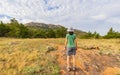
[89, 62]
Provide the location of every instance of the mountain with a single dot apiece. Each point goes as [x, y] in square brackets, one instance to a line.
[51, 26]
[42, 25]
[80, 33]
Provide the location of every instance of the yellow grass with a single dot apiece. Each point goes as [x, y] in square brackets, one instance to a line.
[106, 46]
[28, 56]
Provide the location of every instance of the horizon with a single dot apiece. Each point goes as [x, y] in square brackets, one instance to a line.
[63, 26]
[85, 15]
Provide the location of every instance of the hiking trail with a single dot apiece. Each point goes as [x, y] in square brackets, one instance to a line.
[88, 62]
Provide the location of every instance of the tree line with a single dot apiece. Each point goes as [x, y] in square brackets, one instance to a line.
[110, 35]
[19, 30]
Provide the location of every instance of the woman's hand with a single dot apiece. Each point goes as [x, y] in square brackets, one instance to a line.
[65, 48]
[76, 48]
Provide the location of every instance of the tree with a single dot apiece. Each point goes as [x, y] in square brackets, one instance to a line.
[96, 35]
[112, 34]
[88, 35]
[23, 31]
[3, 29]
[111, 31]
[50, 33]
[60, 32]
[14, 21]
[40, 33]
[17, 30]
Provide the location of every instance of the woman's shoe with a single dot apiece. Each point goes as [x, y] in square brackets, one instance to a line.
[73, 68]
[68, 69]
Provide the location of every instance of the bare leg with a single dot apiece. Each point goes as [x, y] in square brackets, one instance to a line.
[68, 61]
[74, 61]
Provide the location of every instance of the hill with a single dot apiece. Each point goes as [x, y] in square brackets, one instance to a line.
[42, 25]
[35, 25]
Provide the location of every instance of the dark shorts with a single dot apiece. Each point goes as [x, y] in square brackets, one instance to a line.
[71, 51]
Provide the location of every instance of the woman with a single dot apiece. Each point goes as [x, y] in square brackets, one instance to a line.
[71, 47]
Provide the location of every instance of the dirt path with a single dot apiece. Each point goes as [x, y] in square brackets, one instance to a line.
[89, 62]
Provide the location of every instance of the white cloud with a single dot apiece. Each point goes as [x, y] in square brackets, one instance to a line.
[99, 17]
[5, 19]
[114, 20]
[80, 13]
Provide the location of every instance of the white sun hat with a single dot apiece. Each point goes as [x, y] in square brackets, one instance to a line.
[70, 29]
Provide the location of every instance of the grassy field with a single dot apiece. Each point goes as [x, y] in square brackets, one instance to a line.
[26, 57]
[31, 56]
[106, 46]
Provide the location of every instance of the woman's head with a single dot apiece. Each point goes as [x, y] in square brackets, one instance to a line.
[70, 31]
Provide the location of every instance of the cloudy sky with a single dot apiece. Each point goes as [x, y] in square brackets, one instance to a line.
[86, 15]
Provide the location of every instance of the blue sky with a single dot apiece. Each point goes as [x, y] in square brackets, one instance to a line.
[86, 15]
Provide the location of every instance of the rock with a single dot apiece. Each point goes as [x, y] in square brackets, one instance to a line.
[118, 58]
[94, 47]
[50, 48]
[87, 66]
[14, 43]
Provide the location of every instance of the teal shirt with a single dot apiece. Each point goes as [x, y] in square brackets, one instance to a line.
[70, 40]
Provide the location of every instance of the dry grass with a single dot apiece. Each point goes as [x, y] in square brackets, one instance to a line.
[106, 46]
[26, 57]
[29, 57]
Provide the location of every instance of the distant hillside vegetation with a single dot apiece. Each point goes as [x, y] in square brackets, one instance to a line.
[80, 33]
[35, 25]
[42, 30]
[42, 25]
[33, 30]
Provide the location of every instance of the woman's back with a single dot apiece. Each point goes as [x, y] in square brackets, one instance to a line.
[70, 38]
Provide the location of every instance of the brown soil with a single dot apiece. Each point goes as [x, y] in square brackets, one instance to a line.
[89, 62]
